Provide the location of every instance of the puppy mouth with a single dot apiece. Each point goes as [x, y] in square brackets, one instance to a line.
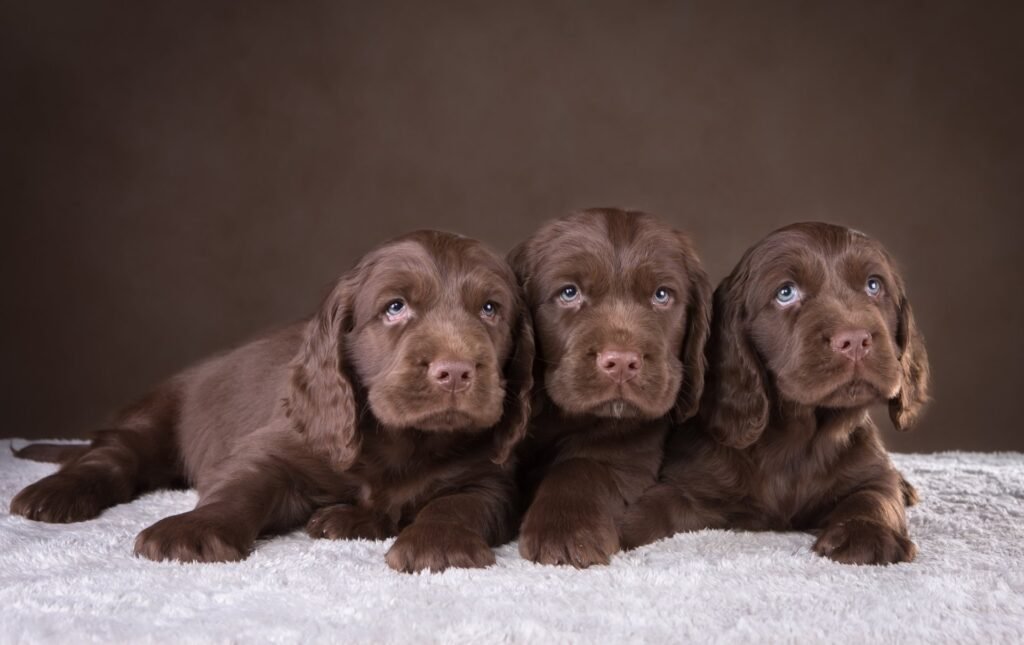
[617, 408]
[594, 395]
[624, 401]
[403, 405]
[451, 419]
[841, 384]
[855, 392]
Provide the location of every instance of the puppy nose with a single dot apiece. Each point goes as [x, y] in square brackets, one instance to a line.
[854, 344]
[619, 365]
[453, 376]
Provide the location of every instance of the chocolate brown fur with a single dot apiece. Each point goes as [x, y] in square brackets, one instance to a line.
[348, 413]
[613, 366]
[784, 440]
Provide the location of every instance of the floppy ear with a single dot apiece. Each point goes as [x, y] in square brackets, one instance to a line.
[736, 400]
[321, 403]
[698, 326]
[515, 418]
[905, 407]
[518, 259]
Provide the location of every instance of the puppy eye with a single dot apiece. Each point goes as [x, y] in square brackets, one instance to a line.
[873, 286]
[569, 294]
[396, 310]
[662, 296]
[489, 310]
[787, 294]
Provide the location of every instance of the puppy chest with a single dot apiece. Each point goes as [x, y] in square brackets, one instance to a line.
[785, 497]
[396, 493]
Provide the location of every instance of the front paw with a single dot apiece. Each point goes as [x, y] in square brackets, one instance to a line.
[192, 537]
[347, 522]
[565, 536]
[438, 546]
[864, 542]
[61, 498]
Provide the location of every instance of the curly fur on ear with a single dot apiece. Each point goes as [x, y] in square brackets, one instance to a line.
[321, 402]
[518, 259]
[905, 407]
[698, 327]
[736, 407]
[518, 390]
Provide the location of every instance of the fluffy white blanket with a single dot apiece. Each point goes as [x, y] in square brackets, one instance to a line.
[80, 582]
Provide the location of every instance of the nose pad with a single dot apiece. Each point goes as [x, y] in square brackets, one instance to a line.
[854, 344]
[619, 365]
[453, 376]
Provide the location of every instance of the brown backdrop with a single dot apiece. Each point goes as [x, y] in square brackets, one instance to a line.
[178, 176]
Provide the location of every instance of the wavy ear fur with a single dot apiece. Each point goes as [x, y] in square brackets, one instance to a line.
[518, 390]
[518, 259]
[698, 327]
[905, 407]
[736, 402]
[321, 402]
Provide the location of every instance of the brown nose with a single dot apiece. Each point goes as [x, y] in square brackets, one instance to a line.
[619, 365]
[854, 344]
[453, 376]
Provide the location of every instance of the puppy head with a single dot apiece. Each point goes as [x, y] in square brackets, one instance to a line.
[620, 308]
[432, 330]
[816, 315]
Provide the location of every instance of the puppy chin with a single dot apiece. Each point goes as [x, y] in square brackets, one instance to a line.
[440, 419]
[854, 392]
[451, 420]
[617, 407]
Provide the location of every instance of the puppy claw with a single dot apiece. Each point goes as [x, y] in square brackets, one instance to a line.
[347, 522]
[436, 547]
[864, 542]
[190, 537]
[580, 542]
[61, 499]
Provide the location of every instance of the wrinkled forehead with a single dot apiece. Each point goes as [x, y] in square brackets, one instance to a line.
[430, 272]
[611, 247]
[814, 253]
[398, 260]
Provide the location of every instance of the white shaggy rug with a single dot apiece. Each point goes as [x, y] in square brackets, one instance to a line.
[79, 582]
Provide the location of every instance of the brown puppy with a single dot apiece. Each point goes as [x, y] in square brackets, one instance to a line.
[811, 328]
[620, 304]
[393, 411]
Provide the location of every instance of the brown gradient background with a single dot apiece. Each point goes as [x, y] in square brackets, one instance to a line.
[181, 175]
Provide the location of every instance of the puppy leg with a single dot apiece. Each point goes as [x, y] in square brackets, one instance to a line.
[662, 511]
[572, 519]
[118, 466]
[224, 527]
[255, 492]
[456, 530]
[868, 526]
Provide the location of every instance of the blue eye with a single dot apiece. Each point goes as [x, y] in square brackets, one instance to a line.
[787, 294]
[873, 286]
[662, 296]
[395, 307]
[489, 309]
[569, 293]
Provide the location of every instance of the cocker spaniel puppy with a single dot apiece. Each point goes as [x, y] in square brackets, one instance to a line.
[812, 328]
[394, 411]
[620, 306]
